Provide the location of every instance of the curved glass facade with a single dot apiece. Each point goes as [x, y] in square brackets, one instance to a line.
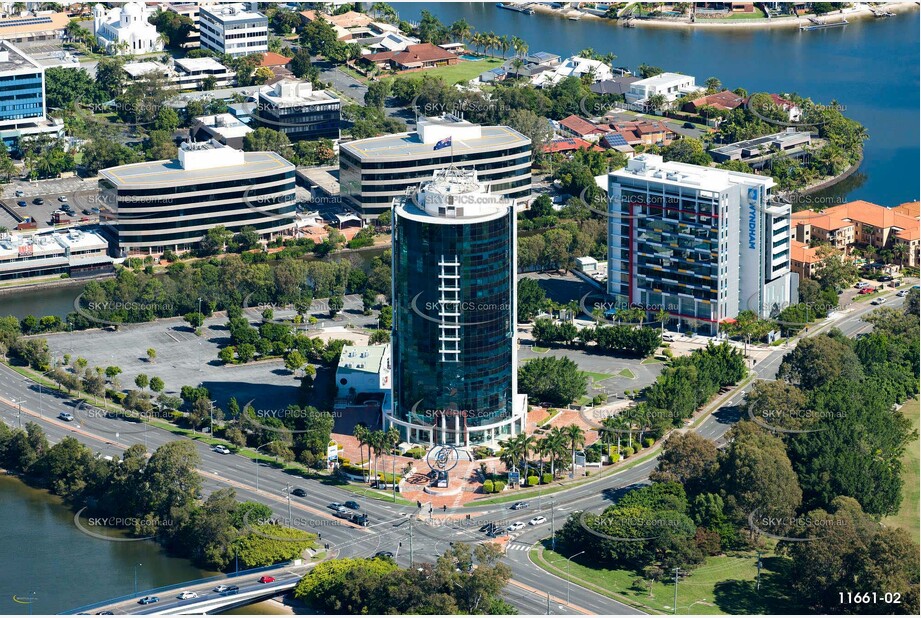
[453, 327]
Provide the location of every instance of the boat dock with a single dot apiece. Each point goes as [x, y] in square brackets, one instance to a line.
[816, 24]
[518, 8]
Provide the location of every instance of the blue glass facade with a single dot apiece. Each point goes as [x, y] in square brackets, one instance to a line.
[21, 96]
[453, 330]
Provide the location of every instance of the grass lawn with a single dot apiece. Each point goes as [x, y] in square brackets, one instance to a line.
[465, 70]
[598, 377]
[626, 373]
[757, 14]
[908, 517]
[722, 585]
[651, 361]
[539, 350]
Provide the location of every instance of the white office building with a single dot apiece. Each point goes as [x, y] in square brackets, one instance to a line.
[233, 29]
[126, 29]
[702, 243]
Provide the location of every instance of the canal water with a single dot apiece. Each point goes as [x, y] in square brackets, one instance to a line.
[870, 67]
[43, 552]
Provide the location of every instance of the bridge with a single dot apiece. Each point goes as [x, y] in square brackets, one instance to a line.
[207, 599]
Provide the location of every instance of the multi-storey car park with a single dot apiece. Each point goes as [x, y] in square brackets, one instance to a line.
[375, 171]
[160, 205]
[703, 244]
[453, 340]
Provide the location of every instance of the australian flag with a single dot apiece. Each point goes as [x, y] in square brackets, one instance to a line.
[445, 143]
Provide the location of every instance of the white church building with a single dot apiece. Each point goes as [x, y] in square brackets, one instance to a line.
[126, 29]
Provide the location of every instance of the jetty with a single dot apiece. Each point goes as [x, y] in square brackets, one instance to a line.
[518, 8]
[816, 24]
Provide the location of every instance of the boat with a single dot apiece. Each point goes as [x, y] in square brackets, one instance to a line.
[514, 7]
[575, 16]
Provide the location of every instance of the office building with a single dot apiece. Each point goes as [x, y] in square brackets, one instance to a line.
[126, 29]
[190, 10]
[233, 29]
[375, 171]
[702, 243]
[77, 253]
[224, 128]
[22, 98]
[161, 205]
[297, 110]
[193, 73]
[453, 340]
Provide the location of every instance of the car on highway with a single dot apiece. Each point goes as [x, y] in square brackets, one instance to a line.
[902, 293]
[221, 588]
[384, 554]
[220, 448]
[351, 504]
[336, 506]
[518, 525]
[266, 579]
[520, 505]
[62, 198]
[66, 416]
[21, 204]
[536, 521]
[688, 125]
[38, 201]
[188, 594]
[86, 211]
[878, 301]
[105, 613]
[299, 492]
[148, 600]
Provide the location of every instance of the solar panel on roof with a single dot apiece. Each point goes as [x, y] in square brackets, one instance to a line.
[25, 21]
[615, 139]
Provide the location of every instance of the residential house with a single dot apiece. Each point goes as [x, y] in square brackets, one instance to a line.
[725, 100]
[571, 144]
[619, 84]
[580, 127]
[756, 152]
[669, 85]
[421, 56]
[804, 260]
[575, 66]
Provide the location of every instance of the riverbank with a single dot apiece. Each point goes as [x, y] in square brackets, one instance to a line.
[861, 11]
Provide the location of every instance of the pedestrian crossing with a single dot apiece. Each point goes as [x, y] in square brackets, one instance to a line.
[518, 547]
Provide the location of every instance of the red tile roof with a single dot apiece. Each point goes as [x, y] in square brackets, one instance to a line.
[414, 54]
[271, 59]
[581, 126]
[568, 145]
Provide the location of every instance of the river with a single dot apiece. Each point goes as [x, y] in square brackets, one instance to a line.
[42, 551]
[870, 67]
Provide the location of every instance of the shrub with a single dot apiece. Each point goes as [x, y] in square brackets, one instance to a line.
[649, 442]
[532, 481]
[416, 452]
[546, 478]
[498, 486]
[615, 458]
[488, 487]
[628, 451]
[637, 447]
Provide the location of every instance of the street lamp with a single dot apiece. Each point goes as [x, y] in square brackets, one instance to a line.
[568, 571]
[19, 415]
[256, 459]
[136, 576]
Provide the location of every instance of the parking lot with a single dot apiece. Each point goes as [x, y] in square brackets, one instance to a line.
[76, 193]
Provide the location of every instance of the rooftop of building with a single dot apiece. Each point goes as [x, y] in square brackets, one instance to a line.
[785, 138]
[364, 358]
[137, 69]
[570, 144]
[413, 54]
[803, 253]
[199, 64]
[580, 125]
[14, 59]
[399, 146]
[720, 100]
[225, 124]
[167, 173]
[866, 213]
[652, 168]
[15, 26]
[453, 195]
[272, 59]
[662, 79]
[231, 12]
[55, 242]
[290, 92]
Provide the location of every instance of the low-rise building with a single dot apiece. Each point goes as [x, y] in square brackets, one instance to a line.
[126, 29]
[575, 66]
[43, 26]
[669, 85]
[171, 205]
[863, 223]
[570, 144]
[618, 84]
[580, 127]
[420, 56]
[194, 73]
[804, 260]
[224, 128]
[190, 10]
[725, 100]
[22, 98]
[297, 110]
[756, 152]
[364, 370]
[77, 253]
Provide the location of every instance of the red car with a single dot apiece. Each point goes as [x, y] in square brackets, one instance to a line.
[266, 579]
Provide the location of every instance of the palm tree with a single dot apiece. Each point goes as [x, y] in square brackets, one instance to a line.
[477, 41]
[556, 445]
[576, 437]
[661, 318]
[900, 251]
[511, 452]
[504, 44]
[657, 102]
[362, 434]
[460, 30]
[528, 444]
[519, 46]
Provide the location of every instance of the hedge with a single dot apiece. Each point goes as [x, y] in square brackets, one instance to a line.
[532, 481]
[488, 487]
[547, 478]
[628, 451]
[649, 442]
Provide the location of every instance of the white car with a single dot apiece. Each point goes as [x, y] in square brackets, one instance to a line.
[188, 595]
[667, 337]
[220, 448]
[66, 416]
[878, 301]
[536, 521]
[518, 525]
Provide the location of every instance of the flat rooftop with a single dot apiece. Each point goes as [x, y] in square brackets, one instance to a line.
[230, 12]
[136, 69]
[199, 64]
[15, 26]
[363, 358]
[15, 58]
[653, 169]
[154, 174]
[781, 139]
[410, 146]
[662, 79]
[225, 124]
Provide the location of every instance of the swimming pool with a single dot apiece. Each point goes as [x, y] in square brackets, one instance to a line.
[470, 58]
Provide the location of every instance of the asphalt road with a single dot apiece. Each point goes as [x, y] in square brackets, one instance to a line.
[390, 529]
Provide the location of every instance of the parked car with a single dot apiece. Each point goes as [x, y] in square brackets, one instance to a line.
[886, 278]
[862, 284]
[867, 290]
[187, 595]
[21, 204]
[300, 493]
[38, 201]
[19, 193]
[878, 301]
[266, 579]
[351, 504]
[667, 338]
[66, 416]
[688, 125]
[148, 600]
[62, 198]
[518, 525]
[220, 448]
[520, 505]
[902, 293]
[536, 521]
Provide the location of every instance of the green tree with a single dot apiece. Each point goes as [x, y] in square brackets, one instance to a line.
[554, 379]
